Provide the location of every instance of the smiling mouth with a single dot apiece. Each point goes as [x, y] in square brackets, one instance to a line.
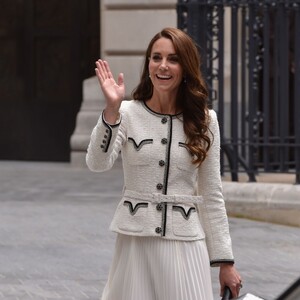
[163, 77]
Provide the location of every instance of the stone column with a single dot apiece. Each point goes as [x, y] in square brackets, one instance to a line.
[126, 29]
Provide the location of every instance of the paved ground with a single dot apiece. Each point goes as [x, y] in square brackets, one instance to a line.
[55, 243]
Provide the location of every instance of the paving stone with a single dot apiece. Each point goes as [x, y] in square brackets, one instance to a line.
[55, 242]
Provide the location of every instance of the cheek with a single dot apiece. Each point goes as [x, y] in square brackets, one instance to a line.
[179, 71]
[180, 74]
[151, 67]
[150, 70]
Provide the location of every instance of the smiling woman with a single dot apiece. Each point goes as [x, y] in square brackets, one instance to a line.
[165, 72]
[171, 222]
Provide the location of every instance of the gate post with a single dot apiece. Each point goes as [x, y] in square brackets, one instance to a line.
[192, 18]
[297, 92]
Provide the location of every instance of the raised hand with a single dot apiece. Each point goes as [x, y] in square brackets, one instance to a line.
[113, 91]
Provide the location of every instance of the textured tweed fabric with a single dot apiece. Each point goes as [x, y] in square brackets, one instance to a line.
[171, 222]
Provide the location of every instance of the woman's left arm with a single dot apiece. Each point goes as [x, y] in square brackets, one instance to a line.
[213, 213]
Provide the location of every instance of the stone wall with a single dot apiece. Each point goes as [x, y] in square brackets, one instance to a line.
[126, 29]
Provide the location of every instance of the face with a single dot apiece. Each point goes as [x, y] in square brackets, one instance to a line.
[164, 68]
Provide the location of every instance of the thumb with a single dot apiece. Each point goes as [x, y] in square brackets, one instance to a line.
[222, 291]
[121, 79]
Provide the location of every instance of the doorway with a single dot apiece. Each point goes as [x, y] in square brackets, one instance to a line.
[47, 48]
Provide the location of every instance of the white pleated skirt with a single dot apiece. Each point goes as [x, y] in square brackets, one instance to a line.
[152, 268]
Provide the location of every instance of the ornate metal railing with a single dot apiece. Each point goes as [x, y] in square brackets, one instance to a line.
[251, 58]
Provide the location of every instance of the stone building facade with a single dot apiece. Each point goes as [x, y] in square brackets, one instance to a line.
[126, 29]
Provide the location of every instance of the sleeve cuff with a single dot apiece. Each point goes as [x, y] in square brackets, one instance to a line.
[108, 133]
[117, 123]
[216, 263]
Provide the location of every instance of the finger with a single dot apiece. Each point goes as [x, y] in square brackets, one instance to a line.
[99, 71]
[236, 289]
[107, 69]
[240, 285]
[121, 79]
[234, 292]
[222, 288]
[98, 76]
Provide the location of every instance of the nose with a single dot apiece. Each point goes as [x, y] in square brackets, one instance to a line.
[163, 65]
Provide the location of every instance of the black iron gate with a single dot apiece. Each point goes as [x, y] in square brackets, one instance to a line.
[251, 58]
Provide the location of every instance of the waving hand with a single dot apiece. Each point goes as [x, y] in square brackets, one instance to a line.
[113, 91]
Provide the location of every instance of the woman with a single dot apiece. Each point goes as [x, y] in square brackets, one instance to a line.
[171, 221]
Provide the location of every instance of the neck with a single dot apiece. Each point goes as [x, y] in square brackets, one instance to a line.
[163, 104]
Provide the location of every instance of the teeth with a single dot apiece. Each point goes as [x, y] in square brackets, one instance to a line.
[164, 76]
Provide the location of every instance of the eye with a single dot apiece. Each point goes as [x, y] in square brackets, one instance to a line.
[173, 59]
[156, 57]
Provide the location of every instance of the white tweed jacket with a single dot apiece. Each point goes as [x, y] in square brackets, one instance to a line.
[165, 195]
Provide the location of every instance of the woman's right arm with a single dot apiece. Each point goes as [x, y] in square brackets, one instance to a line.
[107, 137]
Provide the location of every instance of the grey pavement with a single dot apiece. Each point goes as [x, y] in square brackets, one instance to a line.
[55, 242]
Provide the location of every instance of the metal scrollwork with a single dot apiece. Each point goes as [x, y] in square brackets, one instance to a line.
[213, 18]
[263, 87]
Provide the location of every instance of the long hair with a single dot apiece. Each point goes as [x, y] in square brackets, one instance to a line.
[192, 94]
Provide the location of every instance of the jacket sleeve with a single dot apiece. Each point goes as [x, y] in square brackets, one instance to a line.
[105, 144]
[212, 211]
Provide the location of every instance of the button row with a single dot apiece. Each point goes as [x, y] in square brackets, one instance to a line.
[104, 141]
[159, 207]
[159, 186]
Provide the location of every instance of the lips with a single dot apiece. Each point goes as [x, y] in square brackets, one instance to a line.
[163, 77]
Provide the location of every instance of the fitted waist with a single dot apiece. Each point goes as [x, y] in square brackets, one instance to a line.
[150, 214]
[157, 198]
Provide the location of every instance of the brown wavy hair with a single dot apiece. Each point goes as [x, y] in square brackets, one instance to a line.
[192, 95]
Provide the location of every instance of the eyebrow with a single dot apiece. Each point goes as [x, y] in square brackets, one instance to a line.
[172, 54]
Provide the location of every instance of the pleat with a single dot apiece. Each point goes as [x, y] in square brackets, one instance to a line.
[151, 268]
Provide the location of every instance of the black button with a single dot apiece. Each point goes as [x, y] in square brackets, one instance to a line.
[161, 163]
[159, 186]
[102, 146]
[158, 230]
[105, 136]
[164, 141]
[104, 141]
[159, 206]
[164, 120]
[107, 131]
